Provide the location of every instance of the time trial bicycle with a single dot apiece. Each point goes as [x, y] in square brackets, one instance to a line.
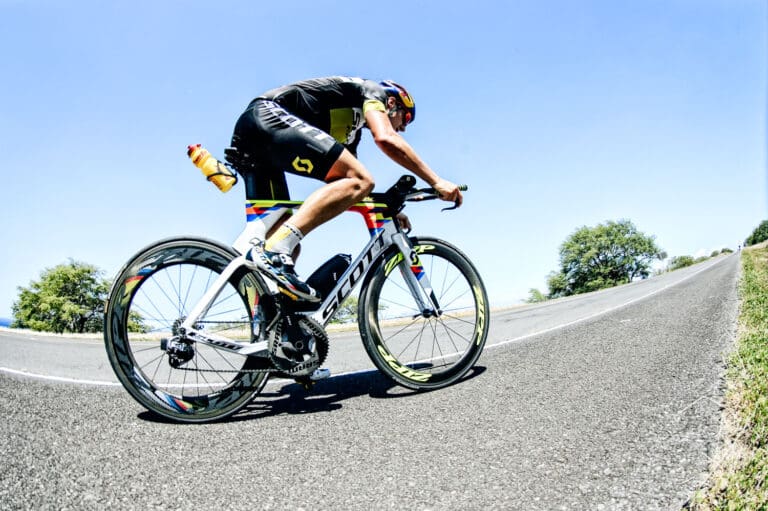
[193, 333]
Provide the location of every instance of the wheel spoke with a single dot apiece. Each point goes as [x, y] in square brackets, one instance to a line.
[438, 349]
[159, 287]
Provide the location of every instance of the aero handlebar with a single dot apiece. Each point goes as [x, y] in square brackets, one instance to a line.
[405, 191]
[423, 194]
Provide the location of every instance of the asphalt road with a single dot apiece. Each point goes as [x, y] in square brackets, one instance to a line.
[604, 401]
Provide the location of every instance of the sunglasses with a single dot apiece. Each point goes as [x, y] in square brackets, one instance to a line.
[407, 116]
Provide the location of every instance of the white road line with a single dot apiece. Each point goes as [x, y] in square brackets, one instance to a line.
[602, 313]
[496, 345]
[57, 378]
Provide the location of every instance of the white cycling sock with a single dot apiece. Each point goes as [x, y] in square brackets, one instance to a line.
[256, 230]
[284, 240]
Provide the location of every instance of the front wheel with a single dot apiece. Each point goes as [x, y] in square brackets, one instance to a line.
[415, 351]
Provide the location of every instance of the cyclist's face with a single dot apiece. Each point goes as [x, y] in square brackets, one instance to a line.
[398, 121]
[396, 115]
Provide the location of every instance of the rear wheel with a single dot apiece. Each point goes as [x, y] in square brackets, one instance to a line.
[149, 300]
[421, 352]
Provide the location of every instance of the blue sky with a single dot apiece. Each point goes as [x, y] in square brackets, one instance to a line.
[557, 114]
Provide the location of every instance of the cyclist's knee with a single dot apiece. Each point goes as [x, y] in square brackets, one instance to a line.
[365, 184]
[360, 182]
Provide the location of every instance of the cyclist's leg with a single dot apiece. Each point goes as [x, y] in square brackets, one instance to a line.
[349, 182]
[274, 142]
[289, 144]
[299, 148]
[285, 143]
[262, 181]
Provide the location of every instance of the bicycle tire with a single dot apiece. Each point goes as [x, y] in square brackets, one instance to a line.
[149, 299]
[414, 351]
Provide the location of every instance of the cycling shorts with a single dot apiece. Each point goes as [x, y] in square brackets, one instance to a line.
[275, 142]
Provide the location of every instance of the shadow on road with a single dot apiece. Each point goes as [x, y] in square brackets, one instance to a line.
[325, 396]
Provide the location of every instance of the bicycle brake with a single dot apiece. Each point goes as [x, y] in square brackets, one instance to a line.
[455, 205]
[462, 188]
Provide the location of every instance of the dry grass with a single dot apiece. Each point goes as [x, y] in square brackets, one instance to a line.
[739, 474]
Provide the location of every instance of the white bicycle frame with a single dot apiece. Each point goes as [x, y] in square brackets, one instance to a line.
[385, 232]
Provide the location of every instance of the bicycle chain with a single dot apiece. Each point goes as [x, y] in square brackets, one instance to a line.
[321, 347]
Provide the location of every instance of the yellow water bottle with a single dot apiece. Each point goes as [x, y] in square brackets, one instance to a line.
[213, 169]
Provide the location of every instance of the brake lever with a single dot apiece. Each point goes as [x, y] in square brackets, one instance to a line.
[462, 188]
[455, 205]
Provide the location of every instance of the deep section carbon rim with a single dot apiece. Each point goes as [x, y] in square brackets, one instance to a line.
[425, 352]
[149, 300]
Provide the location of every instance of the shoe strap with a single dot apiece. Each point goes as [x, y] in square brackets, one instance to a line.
[284, 259]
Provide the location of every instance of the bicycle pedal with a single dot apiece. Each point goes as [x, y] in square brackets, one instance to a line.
[320, 373]
[309, 381]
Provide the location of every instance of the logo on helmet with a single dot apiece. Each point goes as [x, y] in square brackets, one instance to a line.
[406, 98]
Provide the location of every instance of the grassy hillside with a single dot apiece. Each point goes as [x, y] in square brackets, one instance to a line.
[739, 479]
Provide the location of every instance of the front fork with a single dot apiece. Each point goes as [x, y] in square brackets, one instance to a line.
[416, 278]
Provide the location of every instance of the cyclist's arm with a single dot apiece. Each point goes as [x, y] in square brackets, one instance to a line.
[396, 147]
[400, 151]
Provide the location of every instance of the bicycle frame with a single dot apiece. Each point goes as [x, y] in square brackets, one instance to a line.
[384, 232]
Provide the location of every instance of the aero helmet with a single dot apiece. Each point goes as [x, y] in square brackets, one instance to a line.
[404, 100]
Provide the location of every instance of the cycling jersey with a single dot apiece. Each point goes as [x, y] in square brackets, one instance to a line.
[302, 128]
[335, 105]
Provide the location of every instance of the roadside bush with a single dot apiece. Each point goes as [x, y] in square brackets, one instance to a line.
[759, 235]
[678, 262]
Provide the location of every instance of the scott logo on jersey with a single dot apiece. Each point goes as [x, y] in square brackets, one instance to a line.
[303, 165]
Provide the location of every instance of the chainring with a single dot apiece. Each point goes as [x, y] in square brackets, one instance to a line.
[290, 368]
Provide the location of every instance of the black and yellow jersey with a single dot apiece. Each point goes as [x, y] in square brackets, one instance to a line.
[335, 105]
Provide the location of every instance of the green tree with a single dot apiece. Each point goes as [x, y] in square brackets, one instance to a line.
[136, 323]
[678, 262]
[535, 296]
[598, 257]
[759, 235]
[557, 284]
[67, 298]
[347, 312]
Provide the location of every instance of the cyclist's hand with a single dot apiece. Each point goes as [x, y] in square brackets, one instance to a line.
[404, 222]
[449, 192]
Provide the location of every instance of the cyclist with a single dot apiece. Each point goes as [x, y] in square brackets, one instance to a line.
[312, 128]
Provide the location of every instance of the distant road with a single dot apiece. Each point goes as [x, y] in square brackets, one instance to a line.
[608, 400]
[83, 358]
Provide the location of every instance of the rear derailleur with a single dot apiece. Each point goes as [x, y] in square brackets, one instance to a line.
[179, 351]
